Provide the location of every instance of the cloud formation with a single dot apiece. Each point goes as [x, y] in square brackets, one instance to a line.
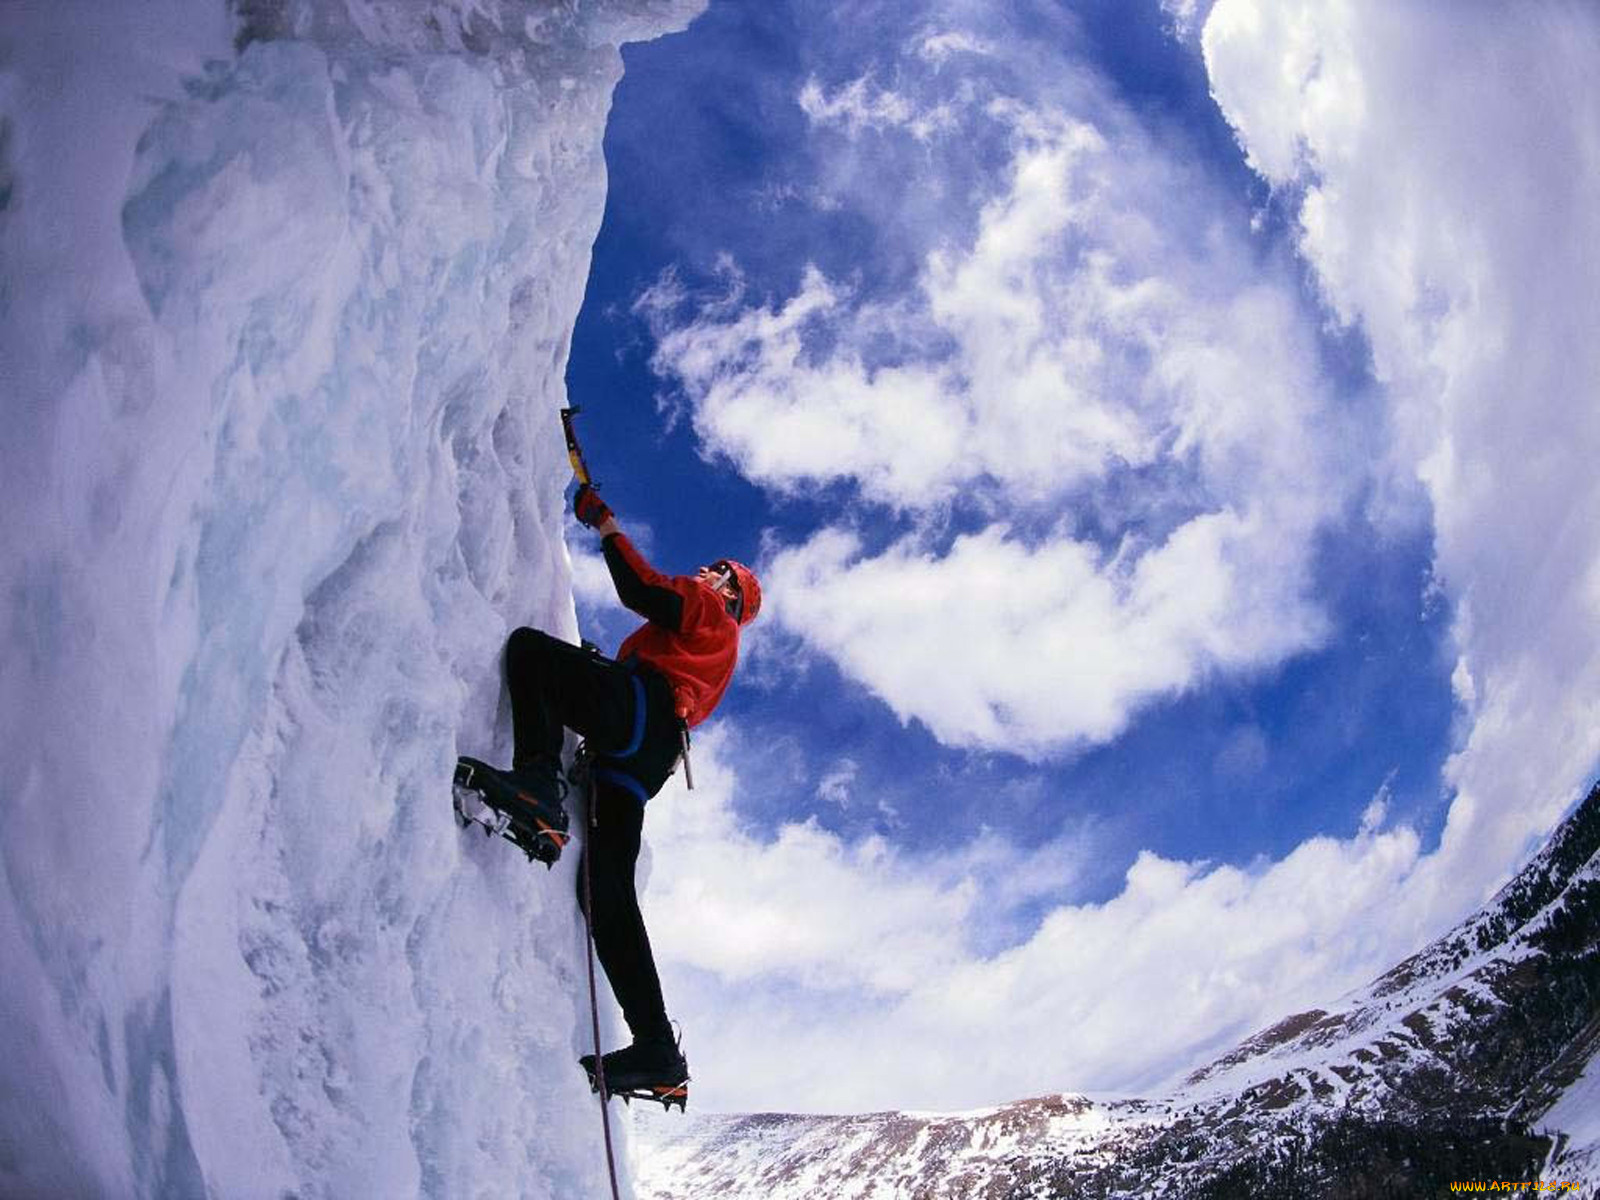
[855, 972]
[1449, 166]
[998, 644]
[860, 105]
[1108, 371]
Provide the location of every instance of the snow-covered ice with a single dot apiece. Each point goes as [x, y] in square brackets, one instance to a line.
[282, 334]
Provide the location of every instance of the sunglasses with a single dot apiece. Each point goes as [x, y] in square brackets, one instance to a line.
[725, 581]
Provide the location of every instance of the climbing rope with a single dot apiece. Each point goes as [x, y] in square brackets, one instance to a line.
[594, 1001]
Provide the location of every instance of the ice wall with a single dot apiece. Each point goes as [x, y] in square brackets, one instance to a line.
[282, 336]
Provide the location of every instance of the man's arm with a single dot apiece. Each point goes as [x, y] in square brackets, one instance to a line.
[639, 585]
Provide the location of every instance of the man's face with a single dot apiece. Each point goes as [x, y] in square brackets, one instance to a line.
[720, 579]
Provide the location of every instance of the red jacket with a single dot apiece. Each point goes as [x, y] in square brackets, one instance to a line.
[688, 634]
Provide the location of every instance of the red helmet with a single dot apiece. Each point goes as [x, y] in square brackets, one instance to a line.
[749, 588]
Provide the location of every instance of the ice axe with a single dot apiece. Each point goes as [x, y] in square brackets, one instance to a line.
[575, 452]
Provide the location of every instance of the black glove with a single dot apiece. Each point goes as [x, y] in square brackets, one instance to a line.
[589, 508]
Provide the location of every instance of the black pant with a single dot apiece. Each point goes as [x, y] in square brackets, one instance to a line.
[554, 684]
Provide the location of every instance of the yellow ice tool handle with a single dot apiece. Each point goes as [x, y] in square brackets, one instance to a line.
[574, 452]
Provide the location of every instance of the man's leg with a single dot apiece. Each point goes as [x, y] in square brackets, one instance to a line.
[620, 939]
[556, 685]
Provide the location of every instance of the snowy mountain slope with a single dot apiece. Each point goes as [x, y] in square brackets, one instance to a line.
[287, 294]
[1474, 1059]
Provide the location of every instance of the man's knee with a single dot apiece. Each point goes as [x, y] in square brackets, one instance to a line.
[608, 871]
[527, 648]
[611, 882]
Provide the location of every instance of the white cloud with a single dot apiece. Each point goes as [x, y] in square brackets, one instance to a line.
[996, 644]
[805, 907]
[853, 973]
[834, 787]
[1450, 161]
[591, 578]
[937, 47]
[788, 422]
[1185, 14]
[1104, 320]
[861, 104]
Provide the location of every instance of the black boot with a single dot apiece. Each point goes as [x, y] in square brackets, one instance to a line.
[651, 1069]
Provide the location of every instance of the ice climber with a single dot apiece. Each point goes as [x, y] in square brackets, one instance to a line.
[632, 712]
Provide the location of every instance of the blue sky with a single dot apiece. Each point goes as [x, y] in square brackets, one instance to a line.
[1114, 515]
[706, 125]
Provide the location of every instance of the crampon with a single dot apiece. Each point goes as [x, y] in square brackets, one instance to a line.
[667, 1089]
[501, 804]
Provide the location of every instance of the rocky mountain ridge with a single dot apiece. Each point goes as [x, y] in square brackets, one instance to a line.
[1441, 1071]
